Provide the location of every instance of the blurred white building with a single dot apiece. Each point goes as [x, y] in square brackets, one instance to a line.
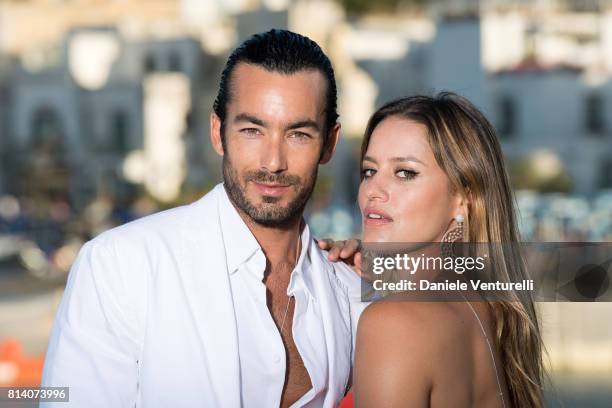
[556, 110]
[541, 75]
[550, 36]
[536, 106]
[76, 119]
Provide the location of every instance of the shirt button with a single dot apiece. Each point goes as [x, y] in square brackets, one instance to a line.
[277, 358]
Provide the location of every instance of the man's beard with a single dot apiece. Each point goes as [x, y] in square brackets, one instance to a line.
[268, 214]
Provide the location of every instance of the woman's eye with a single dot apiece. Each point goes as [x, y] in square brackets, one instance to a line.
[407, 174]
[365, 173]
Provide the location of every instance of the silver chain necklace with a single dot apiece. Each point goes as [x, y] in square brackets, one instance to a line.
[484, 332]
[297, 256]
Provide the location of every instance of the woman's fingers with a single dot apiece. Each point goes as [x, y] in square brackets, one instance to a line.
[325, 243]
[348, 251]
[335, 251]
[358, 263]
[350, 248]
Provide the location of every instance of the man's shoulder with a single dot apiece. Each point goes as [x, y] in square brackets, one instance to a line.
[134, 250]
[347, 280]
[165, 225]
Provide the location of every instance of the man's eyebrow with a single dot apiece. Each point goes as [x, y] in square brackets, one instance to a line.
[306, 123]
[245, 117]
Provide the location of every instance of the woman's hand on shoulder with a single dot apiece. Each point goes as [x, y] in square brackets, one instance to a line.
[394, 355]
[347, 251]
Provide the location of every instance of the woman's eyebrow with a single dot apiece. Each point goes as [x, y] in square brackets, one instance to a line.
[370, 159]
[395, 159]
[407, 158]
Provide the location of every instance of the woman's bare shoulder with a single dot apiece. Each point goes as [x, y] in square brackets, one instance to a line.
[430, 327]
[399, 346]
[405, 316]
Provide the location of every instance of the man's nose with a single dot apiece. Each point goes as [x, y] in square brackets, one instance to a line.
[274, 156]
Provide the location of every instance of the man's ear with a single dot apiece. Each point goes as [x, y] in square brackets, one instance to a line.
[215, 133]
[330, 145]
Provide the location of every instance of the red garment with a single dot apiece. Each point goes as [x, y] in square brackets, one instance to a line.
[347, 402]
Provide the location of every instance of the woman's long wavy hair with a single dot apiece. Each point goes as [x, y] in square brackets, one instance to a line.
[466, 147]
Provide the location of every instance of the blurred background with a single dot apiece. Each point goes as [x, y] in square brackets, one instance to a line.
[104, 108]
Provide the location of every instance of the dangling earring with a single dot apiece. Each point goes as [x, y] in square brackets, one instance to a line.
[451, 236]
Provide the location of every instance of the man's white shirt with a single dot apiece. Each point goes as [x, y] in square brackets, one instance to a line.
[170, 310]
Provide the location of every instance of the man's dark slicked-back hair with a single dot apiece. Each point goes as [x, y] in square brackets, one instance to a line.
[279, 51]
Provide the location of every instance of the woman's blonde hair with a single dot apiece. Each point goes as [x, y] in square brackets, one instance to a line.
[466, 147]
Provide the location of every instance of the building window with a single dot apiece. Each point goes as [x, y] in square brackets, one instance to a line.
[149, 63]
[47, 129]
[506, 116]
[42, 170]
[606, 173]
[594, 114]
[119, 132]
[174, 62]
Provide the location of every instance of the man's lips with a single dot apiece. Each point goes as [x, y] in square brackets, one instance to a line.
[271, 189]
[375, 217]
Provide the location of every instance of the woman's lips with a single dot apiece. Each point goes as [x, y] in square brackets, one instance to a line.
[273, 190]
[375, 217]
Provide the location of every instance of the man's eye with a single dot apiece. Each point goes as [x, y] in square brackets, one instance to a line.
[250, 131]
[366, 173]
[407, 174]
[299, 135]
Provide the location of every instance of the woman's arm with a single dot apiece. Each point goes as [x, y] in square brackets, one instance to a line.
[393, 358]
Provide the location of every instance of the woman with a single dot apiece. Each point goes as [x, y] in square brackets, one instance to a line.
[432, 171]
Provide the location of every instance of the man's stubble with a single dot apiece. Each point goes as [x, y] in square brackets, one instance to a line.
[268, 214]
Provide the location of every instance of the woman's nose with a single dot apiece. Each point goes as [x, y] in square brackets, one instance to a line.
[375, 189]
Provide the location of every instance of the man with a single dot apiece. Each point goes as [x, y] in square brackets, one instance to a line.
[226, 302]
